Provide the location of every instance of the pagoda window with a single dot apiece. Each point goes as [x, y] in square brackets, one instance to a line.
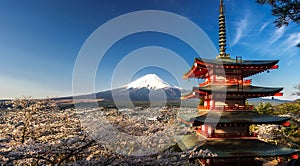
[205, 103]
[209, 130]
[211, 104]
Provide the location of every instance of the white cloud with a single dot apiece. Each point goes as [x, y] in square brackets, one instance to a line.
[263, 26]
[279, 42]
[277, 35]
[240, 30]
[292, 40]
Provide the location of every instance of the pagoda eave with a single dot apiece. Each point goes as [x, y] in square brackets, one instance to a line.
[234, 62]
[195, 72]
[237, 117]
[250, 67]
[235, 90]
[231, 148]
[193, 94]
[189, 96]
[197, 95]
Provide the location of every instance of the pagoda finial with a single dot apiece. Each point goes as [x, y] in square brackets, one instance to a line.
[222, 33]
[221, 7]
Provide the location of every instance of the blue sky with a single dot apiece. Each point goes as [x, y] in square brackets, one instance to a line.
[40, 41]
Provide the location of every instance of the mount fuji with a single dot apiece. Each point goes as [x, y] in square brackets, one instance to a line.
[146, 88]
[149, 81]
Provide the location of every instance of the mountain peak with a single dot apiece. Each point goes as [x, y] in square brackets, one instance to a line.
[150, 81]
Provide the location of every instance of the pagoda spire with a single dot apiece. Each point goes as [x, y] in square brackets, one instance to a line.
[222, 33]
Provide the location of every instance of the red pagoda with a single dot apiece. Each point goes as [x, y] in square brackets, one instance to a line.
[224, 116]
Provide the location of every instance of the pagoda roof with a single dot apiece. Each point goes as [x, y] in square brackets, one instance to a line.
[227, 117]
[253, 66]
[228, 148]
[190, 141]
[248, 91]
[237, 62]
[236, 89]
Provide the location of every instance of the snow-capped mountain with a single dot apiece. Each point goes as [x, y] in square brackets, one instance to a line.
[144, 89]
[147, 87]
[149, 81]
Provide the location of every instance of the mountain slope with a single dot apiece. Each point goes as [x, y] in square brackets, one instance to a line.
[146, 88]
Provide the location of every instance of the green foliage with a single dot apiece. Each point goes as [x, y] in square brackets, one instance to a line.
[292, 130]
[252, 128]
[291, 134]
[285, 11]
[286, 108]
[283, 109]
[265, 108]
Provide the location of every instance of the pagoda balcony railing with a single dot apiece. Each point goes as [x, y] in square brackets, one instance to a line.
[204, 134]
[226, 135]
[201, 107]
[227, 82]
[241, 107]
[226, 108]
[230, 135]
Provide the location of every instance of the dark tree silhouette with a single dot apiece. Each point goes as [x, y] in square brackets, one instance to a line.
[285, 11]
